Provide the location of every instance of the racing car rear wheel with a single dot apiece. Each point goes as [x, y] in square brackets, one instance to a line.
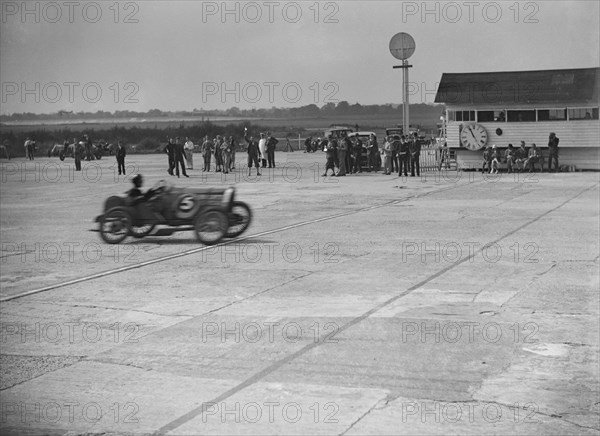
[141, 231]
[239, 219]
[115, 225]
[211, 226]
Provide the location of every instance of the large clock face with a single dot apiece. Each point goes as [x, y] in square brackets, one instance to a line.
[473, 136]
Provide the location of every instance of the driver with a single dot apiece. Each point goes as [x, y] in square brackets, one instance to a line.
[137, 197]
[135, 193]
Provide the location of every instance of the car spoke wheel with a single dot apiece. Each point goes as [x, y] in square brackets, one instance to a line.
[115, 226]
[211, 227]
[141, 231]
[239, 219]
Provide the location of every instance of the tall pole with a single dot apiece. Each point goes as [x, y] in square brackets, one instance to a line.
[406, 120]
[402, 46]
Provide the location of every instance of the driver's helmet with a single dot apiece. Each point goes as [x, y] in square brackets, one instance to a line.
[138, 180]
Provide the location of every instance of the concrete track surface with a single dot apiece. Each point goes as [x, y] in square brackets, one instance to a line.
[450, 303]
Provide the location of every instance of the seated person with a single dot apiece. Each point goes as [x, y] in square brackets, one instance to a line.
[534, 157]
[135, 193]
[137, 198]
[521, 156]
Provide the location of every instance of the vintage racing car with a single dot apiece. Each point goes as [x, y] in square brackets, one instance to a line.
[212, 213]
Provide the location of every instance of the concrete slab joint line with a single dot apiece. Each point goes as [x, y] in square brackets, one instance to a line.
[275, 366]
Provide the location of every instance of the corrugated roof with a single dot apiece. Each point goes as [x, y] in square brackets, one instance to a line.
[514, 87]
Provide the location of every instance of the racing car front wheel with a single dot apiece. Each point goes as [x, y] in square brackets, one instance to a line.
[115, 225]
[211, 226]
[239, 219]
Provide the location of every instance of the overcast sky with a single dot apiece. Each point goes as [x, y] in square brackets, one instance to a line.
[181, 55]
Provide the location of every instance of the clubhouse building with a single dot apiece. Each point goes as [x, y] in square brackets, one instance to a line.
[504, 108]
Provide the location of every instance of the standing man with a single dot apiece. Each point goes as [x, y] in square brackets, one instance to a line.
[78, 150]
[387, 156]
[88, 147]
[553, 147]
[252, 150]
[120, 154]
[170, 150]
[179, 157]
[395, 139]
[226, 156]
[403, 156]
[188, 149]
[415, 155]
[358, 150]
[372, 149]
[218, 154]
[342, 153]
[29, 146]
[233, 147]
[206, 150]
[271, 144]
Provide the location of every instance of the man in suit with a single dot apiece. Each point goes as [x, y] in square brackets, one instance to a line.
[170, 150]
[179, 158]
[120, 154]
[271, 144]
[553, 154]
[415, 155]
[403, 156]
[206, 150]
[252, 150]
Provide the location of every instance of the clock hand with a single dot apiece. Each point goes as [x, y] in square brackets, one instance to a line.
[472, 134]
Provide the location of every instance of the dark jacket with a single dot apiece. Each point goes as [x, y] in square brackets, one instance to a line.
[415, 148]
[170, 149]
[271, 143]
[252, 148]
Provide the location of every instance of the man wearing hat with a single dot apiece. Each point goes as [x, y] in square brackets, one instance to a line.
[403, 156]
[252, 152]
[206, 150]
[120, 155]
[553, 155]
[271, 144]
[170, 150]
[415, 155]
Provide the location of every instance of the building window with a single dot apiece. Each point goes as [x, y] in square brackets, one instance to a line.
[587, 113]
[491, 116]
[521, 116]
[462, 115]
[552, 114]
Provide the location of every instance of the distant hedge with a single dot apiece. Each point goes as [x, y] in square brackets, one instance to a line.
[142, 139]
